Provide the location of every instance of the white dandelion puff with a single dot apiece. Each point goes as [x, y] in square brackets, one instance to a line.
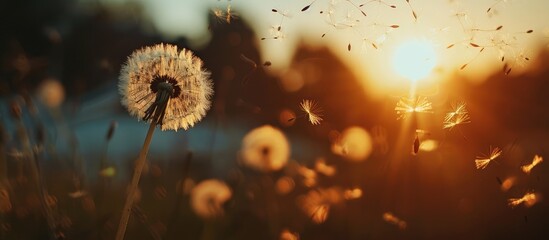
[166, 86]
[265, 149]
[527, 168]
[482, 161]
[208, 197]
[354, 144]
[311, 108]
[51, 93]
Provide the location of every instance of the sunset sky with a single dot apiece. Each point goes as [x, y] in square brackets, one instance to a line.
[439, 23]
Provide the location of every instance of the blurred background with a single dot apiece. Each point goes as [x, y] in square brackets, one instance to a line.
[386, 161]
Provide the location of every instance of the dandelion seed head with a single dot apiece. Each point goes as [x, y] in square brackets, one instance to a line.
[354, 144]
[265, 149]
[284, 185]
[163, 67]
[311, 108]
[316, 203]
[51, 92]
[208, 197]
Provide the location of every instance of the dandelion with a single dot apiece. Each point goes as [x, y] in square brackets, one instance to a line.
[51, 93]
[392, 219]
[316, 203]
[529, 199]
[165, 87]
[406, 106]
[284, 185]
[322, 167]
[312, 110]
[309, 176]
[354, 193]
[287, 235]
[208, 197]
[354, 144]
[482, 162]
[527, 168]
[265, 149]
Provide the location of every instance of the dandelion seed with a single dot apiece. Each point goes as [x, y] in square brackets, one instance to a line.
[529, 199]
[265, 149]
[456, 120]
[482, 162]
[308, 6]
[287, 235]
[322, 167]
[415, 148]
[354, 193]
[392, 219]
[316, 203]
[457, 108]
[313, 111]
[527, 168]
[406, 106]
[357, 7]
[507, 184]
[457, 116]
[112, 128]
[284, 185]
[309, 176]
[208, 197]
[164, 86]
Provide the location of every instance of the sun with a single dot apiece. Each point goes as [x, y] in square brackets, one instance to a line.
[414, 59]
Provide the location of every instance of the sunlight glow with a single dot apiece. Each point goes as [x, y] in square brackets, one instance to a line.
[414, 59]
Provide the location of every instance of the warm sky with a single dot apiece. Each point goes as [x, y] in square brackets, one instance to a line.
[439, 23]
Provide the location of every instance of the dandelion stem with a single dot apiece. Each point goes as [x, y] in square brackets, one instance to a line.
[139, 164]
